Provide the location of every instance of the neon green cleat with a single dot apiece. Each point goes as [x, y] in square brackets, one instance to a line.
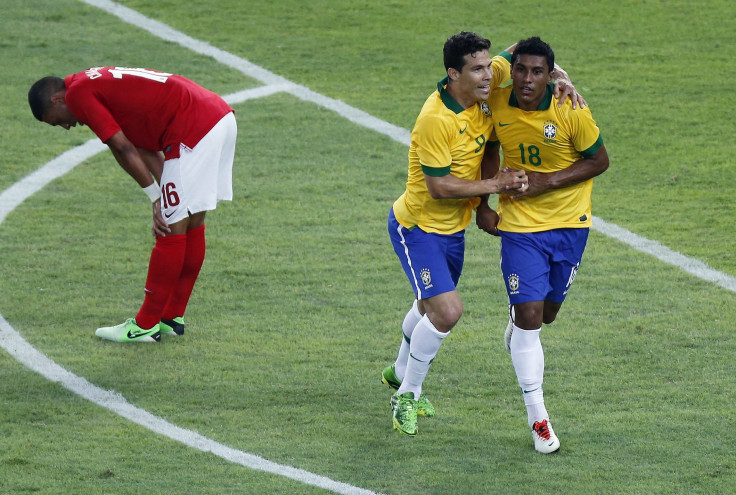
[404, 409]
[388, 377]
[424, 407]
[129, 332]
[172, 327]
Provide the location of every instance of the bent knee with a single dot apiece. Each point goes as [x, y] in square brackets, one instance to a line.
[550, 312]
[446, 317]
[549, 319]
[453, 314]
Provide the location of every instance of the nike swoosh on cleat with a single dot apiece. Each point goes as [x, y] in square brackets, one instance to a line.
[135, 335]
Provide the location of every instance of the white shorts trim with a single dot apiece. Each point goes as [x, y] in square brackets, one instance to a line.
[201, 176]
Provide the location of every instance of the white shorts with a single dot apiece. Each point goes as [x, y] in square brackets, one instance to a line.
[201, 176]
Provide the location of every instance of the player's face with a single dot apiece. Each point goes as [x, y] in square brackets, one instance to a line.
[473, 84]
[59, 114]
[531, 76]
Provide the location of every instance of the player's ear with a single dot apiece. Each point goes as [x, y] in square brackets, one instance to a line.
[58, 97]
[453, 74]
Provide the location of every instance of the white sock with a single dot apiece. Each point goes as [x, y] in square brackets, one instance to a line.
[527, 356]
[407, 329]
[425, 343]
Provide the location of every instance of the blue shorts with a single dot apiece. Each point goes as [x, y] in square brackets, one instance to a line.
[432, 262]
[540, 266]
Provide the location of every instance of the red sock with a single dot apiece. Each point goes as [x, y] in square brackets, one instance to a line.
[164, 269]
[193, 260]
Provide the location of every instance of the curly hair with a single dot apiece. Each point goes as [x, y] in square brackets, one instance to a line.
[534, 46]
[461, 44]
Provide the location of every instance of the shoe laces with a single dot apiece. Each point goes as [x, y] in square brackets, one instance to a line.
[404, 405]
[542, 429]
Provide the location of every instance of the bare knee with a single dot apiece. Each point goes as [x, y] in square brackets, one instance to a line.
[550, 311]
[443, 312]
[452, 315]
[529, 315]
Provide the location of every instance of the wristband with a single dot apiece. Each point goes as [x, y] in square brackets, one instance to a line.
[152, 191]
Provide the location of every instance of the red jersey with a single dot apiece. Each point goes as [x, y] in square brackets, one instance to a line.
[156, 111]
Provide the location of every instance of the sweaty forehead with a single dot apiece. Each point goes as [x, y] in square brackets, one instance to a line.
[477, 58]
[532, 61]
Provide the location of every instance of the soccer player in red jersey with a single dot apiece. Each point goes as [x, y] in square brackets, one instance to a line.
[176, 139]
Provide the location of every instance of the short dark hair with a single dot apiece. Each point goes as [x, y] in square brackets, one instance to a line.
[39, 96]
[461, 44]
[534, 46]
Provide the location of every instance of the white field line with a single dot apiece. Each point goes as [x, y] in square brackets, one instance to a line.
[21, 350]
[14, 344]
[690, 265]
[251, 70]
[663, 253]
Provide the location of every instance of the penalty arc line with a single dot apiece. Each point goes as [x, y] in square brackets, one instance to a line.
[22, 351]
[29, 356]
[165, 32]
[26, 354]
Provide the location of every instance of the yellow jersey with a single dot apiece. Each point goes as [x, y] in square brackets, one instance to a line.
[548, 139]
[446, 139]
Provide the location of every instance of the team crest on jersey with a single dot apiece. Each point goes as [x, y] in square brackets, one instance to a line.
[426, 278]
[513, 283]
[485, 109]
[550, 130]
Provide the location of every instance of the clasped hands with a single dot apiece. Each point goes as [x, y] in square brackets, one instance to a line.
[514, 182]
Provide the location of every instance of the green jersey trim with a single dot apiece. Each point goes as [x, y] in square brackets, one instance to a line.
[594, 148]
[436, 171]
[447, 98]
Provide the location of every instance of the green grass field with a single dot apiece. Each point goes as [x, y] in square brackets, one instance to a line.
[299, 303]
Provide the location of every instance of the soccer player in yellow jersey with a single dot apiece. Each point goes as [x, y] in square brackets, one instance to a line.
[427, 223]
[543, 227]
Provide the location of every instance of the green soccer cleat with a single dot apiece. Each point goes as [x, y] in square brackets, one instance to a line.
[404, 409]
[388, 377]
[172, 327]
[129, 332]
[424, 407]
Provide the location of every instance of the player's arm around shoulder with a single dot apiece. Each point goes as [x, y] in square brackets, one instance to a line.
[501, 66]
[564, 90]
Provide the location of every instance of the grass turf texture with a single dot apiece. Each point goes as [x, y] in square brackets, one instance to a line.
[300, 299]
